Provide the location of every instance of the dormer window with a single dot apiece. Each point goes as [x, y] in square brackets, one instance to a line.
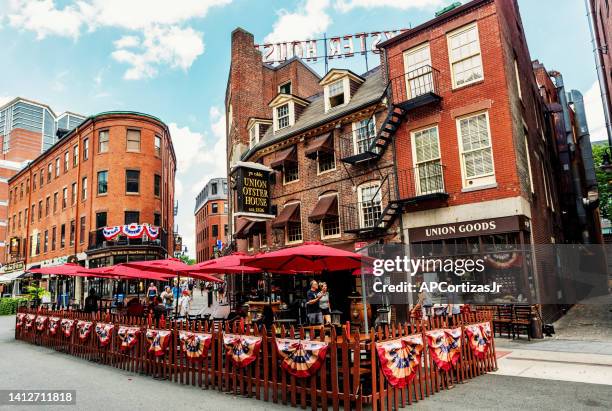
[282, 116]
[257, 127]
[285, 88]
[336, 94]
[338, 85]
[286, 110]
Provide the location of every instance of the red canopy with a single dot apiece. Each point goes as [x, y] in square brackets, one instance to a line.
[203, 276]
[68, 269]
[314, 257]
[229, 264]
[166, 266]
[122, 271]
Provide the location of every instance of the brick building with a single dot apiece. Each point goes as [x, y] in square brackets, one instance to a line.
[211, 213]
[27, 128]
[72, 202]
[600, 23]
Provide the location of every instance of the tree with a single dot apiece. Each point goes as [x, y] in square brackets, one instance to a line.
[186, 259]
[603, 181]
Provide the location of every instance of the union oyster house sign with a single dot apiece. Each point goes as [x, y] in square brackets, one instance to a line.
[251, 182]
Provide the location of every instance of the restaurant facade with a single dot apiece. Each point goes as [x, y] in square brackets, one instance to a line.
[102, 195]
[447, 146]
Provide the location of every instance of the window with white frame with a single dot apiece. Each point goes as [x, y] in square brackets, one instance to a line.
[336, 93]
[330, 225]
[282, 116]
[417, 65]
[370, 205]
[364, 132]
[253, 137]
[285, 88]
[518, 81]
[428, 167]
[475, 148]
[326, 161]
[465, 57]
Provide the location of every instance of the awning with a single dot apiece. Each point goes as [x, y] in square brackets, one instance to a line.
[291, 213]
[10, 277]
[327, 206]
[321, 143]
[245, 228]
[283, 157]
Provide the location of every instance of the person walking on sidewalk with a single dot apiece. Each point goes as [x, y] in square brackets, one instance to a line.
[313, 310]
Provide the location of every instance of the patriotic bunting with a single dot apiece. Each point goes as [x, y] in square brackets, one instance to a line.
[242, 349]
[83, 329]
[131, 231]
[104, 332]
[67, 326]
[54, 323]
[301, 358]
[158, 341]
[20, 320]
[400, 359]
[445, 347]
[41, 321]
[195, 345]
[479, 337]
[29, 321]
[128, 336]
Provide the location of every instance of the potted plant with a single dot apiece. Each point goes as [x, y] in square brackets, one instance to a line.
[35, 294]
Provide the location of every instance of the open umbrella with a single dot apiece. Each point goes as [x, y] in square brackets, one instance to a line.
[232, 260]
[312, 256]
[128, 272]
[71, 269]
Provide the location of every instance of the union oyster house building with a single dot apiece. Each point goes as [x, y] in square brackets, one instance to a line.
[454, 160]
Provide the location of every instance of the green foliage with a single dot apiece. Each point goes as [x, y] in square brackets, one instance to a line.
[9, 306]
[36, 292]
[187, 260]
[603, 181]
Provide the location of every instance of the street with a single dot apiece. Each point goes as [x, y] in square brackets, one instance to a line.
[102, 388]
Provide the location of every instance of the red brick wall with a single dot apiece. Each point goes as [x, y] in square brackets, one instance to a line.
[117, 201]
[205, 219]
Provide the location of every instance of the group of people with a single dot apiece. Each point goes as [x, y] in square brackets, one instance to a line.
[167, 300]
[318, 308]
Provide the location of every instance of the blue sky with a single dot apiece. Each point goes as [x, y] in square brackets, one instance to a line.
[171, 59]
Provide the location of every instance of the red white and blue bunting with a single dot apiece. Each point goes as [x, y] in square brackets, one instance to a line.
[104, 332]
[400, 359]
[479, 337]
[131, 231]
[84, 329]
[195, 345]
[54, 323]
[158, 341]
[29, 321]
[41, 321]
[67, 326]
[301, 358]
[445, 347]
[241, 349]
[20, 320]
[128, 336]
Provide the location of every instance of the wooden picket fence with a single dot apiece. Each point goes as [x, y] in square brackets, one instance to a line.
[350, 377]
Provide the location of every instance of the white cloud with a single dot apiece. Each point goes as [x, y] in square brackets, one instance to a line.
[44, 18]
[172, 46]
[200, 156]
[162, 36]
[308, 20]
[347, 5]
[595, 113]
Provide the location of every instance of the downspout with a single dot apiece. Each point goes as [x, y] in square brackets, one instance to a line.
[569, 134]
[601, 75]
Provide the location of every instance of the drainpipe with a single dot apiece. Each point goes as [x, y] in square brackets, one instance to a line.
[569, 134]
[601, 75]
[584, 139]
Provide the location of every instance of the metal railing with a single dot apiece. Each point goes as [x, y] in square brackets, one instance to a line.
[422, 180]
[368, 214]
[359, 141]
[414, 84]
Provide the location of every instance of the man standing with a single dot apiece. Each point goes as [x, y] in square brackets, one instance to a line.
[312, 304]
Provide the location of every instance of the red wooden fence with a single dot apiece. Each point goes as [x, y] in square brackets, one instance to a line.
[350, 375]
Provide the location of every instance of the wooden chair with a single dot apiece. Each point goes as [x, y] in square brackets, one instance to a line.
[503, 319]
[522, 320]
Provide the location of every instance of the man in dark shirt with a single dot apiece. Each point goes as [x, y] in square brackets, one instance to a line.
[313, 310]
[91, 302]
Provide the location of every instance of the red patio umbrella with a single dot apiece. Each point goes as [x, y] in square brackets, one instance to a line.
[71, 269]
[232, 260]
[166, 266]
[314, 257]
[129, 272]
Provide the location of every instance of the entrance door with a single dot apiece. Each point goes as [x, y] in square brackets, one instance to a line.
[417, 64]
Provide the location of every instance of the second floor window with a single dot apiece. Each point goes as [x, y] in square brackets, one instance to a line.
[54, 202]
[325, 161]
[66, 161]
[72, 231]
[75, 156]
[64, 197]
[74, 193]
[102, 182]
[103, 141]
[133, 140]
[215, 231]
[282, 114]
[364, 133]
[370, 206]
[49, 172]
[85, 149]
[132, 217]
[476, 151]
[57, 167]
[132, 181]
[214, 208]
[63, 236]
